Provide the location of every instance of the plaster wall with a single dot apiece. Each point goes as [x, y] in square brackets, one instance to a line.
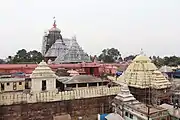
[50, 96]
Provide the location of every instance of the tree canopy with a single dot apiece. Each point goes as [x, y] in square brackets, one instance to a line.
[130, 57]
[2, 61]
[110, 55]
[22, 56]
[169, 61]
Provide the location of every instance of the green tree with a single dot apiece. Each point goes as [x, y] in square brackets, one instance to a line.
[110, 55]
[130, 57]
[22, 56]
[2, 61]
[34, 56]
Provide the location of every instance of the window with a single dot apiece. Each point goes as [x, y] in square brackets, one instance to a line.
[2, 87]
[131, 116]
[126, 114]
[20, 83]
[7, 84]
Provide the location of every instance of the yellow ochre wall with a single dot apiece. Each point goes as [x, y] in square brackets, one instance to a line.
[8, 88]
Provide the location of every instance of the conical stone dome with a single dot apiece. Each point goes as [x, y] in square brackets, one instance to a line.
[142, 73]
[74, 54]
[43, 71]
[58, 49]
[43, 78]
[166, 69]
[125, 95]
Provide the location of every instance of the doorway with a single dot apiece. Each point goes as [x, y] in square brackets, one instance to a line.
[43, 85]
[91, 71]
[26, 84]
[2, 86]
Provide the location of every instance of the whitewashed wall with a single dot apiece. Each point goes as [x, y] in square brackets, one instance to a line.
[17, 98]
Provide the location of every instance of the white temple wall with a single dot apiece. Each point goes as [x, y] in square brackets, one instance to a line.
[51, 84]
[19, 97]
[36, 85]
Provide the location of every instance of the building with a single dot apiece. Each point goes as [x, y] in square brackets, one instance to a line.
[12, 84]
[173, 111]
[130, 109]
[43, 78]
[62, 50]
[45, 102]
[146, 82]
[176, 93]
[167, 70]
[80, 81]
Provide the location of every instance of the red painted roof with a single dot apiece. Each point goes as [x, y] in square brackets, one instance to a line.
[53, 66]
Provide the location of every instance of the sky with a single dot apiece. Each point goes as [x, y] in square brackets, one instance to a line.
[128, 25]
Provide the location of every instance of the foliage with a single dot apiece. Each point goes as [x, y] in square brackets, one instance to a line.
[2, 61]
[110, 55]
[169, 61]
[130, 57]
[22, 56]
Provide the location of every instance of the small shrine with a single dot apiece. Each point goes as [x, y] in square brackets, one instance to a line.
[43, 78]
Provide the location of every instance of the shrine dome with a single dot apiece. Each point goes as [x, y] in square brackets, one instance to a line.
[141, 58]
[54, 28]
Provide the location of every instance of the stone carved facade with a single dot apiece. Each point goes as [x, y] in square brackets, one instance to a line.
[62, 50]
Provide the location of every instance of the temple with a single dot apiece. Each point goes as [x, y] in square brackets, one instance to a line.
[145, 82]
[43, 78]
[62, 50]
[125, 105]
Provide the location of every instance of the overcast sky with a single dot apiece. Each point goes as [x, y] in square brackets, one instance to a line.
[127, 25]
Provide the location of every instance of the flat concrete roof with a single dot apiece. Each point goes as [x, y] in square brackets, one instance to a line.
[141, 107]
[80, 79]
[11, 79]
[175, 112]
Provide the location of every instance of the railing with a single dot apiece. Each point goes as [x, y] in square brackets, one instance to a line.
[18, 98]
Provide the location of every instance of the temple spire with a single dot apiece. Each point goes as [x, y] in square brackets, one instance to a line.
[54, 24]
[142, 52]
[74, 37]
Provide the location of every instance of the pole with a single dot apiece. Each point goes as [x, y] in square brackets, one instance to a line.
[148, 112]
[123, 110]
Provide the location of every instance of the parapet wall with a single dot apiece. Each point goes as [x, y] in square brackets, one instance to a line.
[87, 108]
[20, 97]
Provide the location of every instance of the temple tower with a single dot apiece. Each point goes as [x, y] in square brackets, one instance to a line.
[145, 82]
[123, 97]
[43, 78]
[50, 38]
[62, 50]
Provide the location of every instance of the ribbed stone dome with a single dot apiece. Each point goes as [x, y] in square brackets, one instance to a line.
[43, 71]
[142, 73]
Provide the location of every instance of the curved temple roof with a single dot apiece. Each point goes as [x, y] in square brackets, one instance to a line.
[43, 71]
[74, 54]
[142, 73]
[57, 49]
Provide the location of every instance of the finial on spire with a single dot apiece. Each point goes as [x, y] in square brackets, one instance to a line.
[142, 52]
[54, 25]
[74, 37]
